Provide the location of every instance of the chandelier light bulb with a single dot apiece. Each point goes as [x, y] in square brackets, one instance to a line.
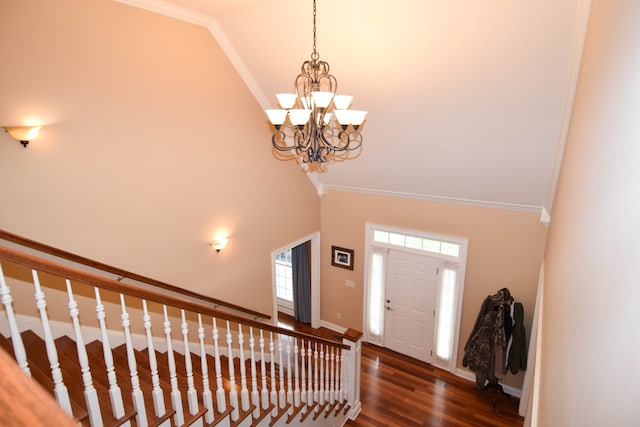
[277, 117]
[357, 117]
[322, 99]
[299, 117]
[287, 100]
[343, 117]
[342, 102]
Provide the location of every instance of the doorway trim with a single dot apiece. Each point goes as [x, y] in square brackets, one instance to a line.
[460, 262]
[315, 277]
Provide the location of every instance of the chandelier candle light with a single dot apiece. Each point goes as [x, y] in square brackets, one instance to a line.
[314, 122]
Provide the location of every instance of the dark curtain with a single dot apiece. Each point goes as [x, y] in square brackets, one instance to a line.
[301, 273]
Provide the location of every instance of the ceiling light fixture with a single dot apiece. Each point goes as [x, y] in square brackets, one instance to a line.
[22, 134]
[320, 126]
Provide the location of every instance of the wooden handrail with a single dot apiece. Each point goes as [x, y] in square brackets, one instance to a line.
[42, 265]
[41, 247]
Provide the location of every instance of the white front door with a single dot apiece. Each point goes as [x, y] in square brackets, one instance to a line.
[411, 290]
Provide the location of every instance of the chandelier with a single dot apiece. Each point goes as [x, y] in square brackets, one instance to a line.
[315, 123]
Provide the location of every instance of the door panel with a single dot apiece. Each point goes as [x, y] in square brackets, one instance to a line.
[411, 291]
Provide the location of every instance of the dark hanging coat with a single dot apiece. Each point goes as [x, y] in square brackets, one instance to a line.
[518, 350]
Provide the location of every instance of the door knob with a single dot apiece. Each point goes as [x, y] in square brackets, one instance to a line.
[388, 301]
[388, 308]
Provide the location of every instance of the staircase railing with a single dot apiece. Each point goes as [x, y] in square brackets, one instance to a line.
[121, 274]
[197, 365]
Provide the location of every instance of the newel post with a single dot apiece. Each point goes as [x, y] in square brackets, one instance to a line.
[351, 370]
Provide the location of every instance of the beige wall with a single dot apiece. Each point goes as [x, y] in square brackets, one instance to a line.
[590, 374]
[505, 250]
[151, 143]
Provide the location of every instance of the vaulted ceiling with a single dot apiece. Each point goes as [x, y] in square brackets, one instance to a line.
[469, 101]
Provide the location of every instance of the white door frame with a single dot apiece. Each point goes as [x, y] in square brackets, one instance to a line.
[315, 277]
[460, 279]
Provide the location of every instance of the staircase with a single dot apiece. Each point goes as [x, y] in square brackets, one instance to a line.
[167, 361]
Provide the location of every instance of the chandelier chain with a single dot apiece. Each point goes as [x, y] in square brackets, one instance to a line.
[314, 55]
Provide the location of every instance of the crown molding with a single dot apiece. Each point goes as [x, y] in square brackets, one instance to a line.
[573, 73]
[440, 199]
[171, 10]
[241, 68]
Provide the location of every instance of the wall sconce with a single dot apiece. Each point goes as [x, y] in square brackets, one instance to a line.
[219, 244]
[22, 134]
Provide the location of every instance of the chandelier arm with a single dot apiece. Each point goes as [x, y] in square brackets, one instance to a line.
[326, 135]
[280, 145]
[352, 137]
[302, 139]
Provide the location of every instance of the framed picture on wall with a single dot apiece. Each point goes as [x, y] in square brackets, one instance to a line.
[341, 257]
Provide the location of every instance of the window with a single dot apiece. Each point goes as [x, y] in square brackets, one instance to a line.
[284, 274]
[419, 243]
[445, 323]
[376, 294]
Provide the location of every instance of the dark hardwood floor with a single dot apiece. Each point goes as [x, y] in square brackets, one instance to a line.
[399, 391]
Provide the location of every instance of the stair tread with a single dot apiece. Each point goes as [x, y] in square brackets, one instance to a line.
[41, 371]
[67, 348]
[144, 377]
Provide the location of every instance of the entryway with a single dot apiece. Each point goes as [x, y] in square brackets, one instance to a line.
[282, 261]
[413, 292]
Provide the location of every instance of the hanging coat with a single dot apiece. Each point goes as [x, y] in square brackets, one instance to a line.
[484, 341]
[518, 351]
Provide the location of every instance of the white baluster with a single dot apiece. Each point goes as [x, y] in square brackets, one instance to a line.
[321, 390]
[156, 391]
[220, 396]
[289, 381]
[281, 393]
[16, 338]
[264, 392]
[255, 397]
[176, 399]
[59, 389]
[303, 380]
[296, 393]
[316, 390]
[343, 376]
[207, 398]
[115, 394]
[326, 375]
[90, 394]
[244, 392]
[192, 394]
[136, 392]
[332, 377]
[233, 394]
[339, 369]
[274, 394]
[310, 379]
